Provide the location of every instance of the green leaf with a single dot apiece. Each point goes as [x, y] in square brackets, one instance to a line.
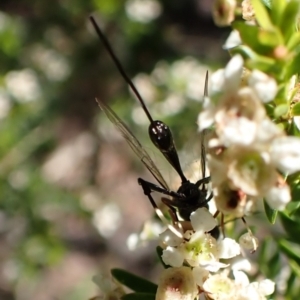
[255, 61]
[291, 250]
[249, 35]
[273, 265]
[296, 109]
[293, 208]
[134, 282]
[159, 251]
[277, 10]
[138, 296]
[292, 67]
[262, 15]
[294, 41]
[295, 187]
[270, 212]
[292, 280]
[295, 267]
[288, 20]
[291, 227]
[281, 110]
[270, 38]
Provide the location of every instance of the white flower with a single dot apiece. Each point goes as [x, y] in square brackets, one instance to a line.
[285, 153]
[202, 220]
[201, 248]
[177, 284]
[263, 85]
[250, 170]
[249, 291]
[237, 117]
[219, 286]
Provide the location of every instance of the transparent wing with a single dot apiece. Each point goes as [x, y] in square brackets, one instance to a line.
[133, 143]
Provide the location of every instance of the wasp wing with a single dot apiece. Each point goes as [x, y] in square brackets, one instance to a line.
[133, 143]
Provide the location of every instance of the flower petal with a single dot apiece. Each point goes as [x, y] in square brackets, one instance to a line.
[264, 86]
[233, 73]
[228, 248]
[172, 257]
[202, 220]
[278, 197]
[285, 153]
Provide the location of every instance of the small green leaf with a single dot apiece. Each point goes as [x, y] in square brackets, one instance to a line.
[273, 265]
[296, 109]
[134, 282]
[255, 61]
[294, 41]
[292, 67]
[293, 208]
[295, 267]
[277, 10]
[270, 212]
[288, 20]
[249, 34]
[281, 110]
[291, 226]
[296, 191]
[291, 250]
[138, 296]
[262, 15]
[269, 38]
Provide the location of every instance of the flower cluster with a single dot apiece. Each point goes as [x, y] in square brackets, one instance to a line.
[248, 153]
[197, 268]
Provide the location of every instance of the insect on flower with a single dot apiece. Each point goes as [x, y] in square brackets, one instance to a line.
[189, 196]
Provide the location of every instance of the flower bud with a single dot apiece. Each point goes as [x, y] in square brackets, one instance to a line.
[223, 12]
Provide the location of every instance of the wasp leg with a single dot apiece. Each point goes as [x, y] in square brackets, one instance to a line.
[149, 187]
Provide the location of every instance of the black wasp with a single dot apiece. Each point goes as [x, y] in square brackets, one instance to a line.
[189, 196]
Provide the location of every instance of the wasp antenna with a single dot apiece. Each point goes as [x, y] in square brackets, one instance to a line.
[206, 85]
[203, 133]
[119, 66]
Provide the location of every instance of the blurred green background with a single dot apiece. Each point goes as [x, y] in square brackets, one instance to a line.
[69, 196]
